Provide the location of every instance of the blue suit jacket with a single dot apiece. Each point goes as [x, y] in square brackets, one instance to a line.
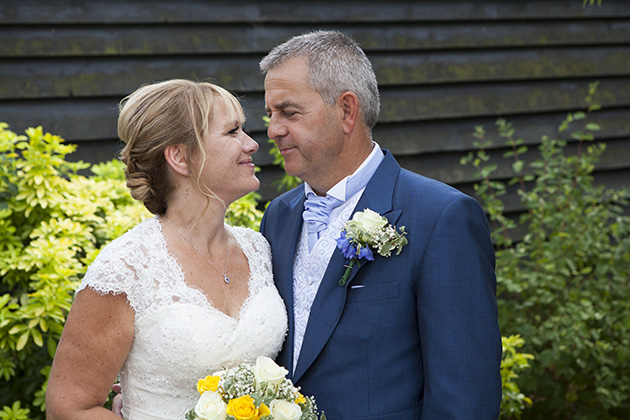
[412, 336]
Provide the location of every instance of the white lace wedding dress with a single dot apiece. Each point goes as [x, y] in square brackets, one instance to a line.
[179, 337]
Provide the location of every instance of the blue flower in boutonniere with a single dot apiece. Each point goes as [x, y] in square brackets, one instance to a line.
[368, 230]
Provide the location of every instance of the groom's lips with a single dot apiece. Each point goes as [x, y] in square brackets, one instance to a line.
[285, 150]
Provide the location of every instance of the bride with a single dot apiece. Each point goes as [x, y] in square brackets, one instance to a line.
[182, 294]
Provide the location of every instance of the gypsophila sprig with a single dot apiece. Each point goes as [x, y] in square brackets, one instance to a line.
[367, 231]
[252, 392]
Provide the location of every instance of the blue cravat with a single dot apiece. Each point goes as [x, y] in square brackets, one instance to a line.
[316, 212]
[317, 209]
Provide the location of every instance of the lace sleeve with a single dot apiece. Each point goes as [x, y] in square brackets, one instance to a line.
[107, 274]
[124, 266]
[110, 273]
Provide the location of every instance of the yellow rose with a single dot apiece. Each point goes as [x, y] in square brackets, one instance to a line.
[209, 383]
[300, 399]
[243, 408]
[263, 411]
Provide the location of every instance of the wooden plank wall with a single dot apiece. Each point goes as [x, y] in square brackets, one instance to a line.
[443, 68]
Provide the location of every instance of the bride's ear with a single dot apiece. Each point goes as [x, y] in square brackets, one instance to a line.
[176, 158]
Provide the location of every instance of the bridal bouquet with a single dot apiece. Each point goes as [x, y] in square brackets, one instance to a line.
[252, 392]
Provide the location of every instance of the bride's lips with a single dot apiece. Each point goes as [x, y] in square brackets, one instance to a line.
[247, 162]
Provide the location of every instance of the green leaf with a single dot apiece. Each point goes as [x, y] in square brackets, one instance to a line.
[37, 337]
[21, 342]
[518, 166]
[579, 115]
[17, 329]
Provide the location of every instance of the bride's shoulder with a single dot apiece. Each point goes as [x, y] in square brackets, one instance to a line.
[142, 235]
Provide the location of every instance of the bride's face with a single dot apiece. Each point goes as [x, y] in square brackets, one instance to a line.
[228, 170]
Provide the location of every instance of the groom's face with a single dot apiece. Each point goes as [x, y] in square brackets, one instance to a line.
[307, 131]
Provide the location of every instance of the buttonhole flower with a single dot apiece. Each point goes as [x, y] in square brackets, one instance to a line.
[365, 232]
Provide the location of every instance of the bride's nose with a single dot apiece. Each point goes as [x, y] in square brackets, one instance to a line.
[250, 146]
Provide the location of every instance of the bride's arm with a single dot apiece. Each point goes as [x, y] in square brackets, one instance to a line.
[95, 342]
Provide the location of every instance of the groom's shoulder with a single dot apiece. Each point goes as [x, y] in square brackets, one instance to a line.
[289, 196]
[284, 201]
[415, 187]
[413, 180]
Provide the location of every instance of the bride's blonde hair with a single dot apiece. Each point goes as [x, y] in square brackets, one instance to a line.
[160, 115]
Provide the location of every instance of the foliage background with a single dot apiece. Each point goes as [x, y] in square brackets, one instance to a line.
[563, 284]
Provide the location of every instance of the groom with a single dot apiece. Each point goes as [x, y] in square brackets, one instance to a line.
[411, 336]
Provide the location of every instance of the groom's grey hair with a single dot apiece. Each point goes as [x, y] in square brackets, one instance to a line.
[337, 64]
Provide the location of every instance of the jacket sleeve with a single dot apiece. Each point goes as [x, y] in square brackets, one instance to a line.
[457, 315]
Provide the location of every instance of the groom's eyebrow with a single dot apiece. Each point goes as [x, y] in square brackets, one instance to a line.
[282, 106]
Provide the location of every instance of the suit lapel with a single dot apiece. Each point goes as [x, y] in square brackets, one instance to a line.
[331, 297]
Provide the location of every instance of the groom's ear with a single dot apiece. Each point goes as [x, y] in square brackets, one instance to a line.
[177, 158]
[349, 108]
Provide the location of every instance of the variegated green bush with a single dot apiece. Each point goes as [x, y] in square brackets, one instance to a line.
[53, 221]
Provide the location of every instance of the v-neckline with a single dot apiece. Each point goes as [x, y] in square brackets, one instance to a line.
[182, 278]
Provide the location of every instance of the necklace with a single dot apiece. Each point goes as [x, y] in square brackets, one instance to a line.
[223, 273]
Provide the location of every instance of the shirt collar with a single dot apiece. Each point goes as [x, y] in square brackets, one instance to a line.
[339, 189]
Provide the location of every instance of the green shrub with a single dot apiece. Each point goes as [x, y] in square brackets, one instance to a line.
[512, 362]
[53, 221]
[15, 412]
[245, 212]
[564, 284]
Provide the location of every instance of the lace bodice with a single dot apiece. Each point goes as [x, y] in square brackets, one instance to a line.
[179, 336]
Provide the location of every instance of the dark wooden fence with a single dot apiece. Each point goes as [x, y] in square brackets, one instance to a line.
[443, 67]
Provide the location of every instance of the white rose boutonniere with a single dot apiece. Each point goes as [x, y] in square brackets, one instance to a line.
[369, 221]
[367, 231]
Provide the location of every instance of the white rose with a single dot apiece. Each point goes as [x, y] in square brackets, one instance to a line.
[285, 410]
[266, 370]
[210, 406]
[369, 220]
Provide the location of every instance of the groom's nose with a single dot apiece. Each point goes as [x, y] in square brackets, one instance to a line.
[276, 128]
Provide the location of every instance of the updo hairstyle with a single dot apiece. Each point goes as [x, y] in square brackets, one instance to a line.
[160, 115]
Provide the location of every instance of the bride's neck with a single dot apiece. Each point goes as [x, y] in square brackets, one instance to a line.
[199, 220]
